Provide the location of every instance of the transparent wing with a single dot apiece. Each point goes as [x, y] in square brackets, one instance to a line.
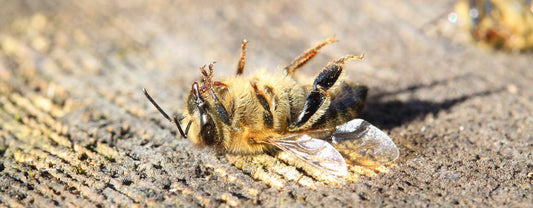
[357, 141]
[361, 143]
[313, 151]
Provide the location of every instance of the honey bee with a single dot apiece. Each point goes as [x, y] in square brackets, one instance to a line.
[499, 24]
[266, 113]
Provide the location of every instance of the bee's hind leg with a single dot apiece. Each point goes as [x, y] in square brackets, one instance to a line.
[318, 94]
[306, 56]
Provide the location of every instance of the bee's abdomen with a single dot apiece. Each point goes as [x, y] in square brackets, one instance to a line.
[347, 102]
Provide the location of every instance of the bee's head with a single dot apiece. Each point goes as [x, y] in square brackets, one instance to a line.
[203, 119]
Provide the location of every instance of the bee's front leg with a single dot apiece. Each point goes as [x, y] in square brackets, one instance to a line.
[221, 110]
[318, 94]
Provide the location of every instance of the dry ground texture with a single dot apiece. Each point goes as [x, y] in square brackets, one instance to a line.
[76, 130]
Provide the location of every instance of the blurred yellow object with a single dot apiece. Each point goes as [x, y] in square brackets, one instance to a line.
[499, 24]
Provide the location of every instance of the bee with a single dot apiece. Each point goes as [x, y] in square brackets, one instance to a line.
[499, 24]
[266, 113]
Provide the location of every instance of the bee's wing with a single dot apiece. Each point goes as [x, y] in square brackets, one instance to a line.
[364, 144]
[359, 141]
[313, 151]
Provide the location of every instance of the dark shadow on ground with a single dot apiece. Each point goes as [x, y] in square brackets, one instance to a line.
[393, 113]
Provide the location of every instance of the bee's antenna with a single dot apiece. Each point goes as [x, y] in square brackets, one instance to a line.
[187, 128]
[156, 105]
[184, 135]
[165, 114]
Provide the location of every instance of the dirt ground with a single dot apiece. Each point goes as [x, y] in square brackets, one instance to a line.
[76, 129]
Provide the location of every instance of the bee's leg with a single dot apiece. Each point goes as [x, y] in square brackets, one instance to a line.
[318, 94]
[221, 110]
[267, 114]
[242, 60]
[306, 56]
[204, 88]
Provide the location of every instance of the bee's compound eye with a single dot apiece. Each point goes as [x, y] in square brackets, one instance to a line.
[209, 132]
